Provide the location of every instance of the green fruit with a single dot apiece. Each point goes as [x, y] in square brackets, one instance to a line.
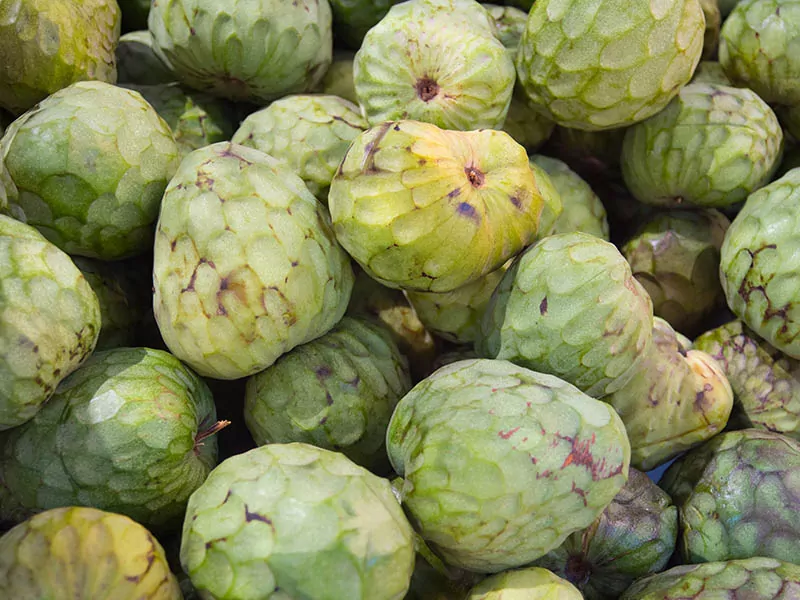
[582, 209]
[738, 497]
[352, 19]
[84, 554]
[509, 23]
[532, 583]
[129, 432]
[610, 63]
[296, 521]
[524, 124]
[49, 320]
[569, 306]
[308, 134]
[437, 61]
[757, 264]
[760, 48]
[710, 72]
[338, 80]
[711, 147]
[46, 46]
[336, 392]
[713, 21]
[426, 209]
[246, 265]
[634, 537]
[500, 464]
[246, 51]
[91, 163]
[594, 153]
[754, 579]
[138, 63]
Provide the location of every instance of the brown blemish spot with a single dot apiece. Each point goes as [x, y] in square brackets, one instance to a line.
[454, 193]
[543, 306]
[323, 420]
[466, 209]
[475, 176]
[580, 492]
[323, 372]
[368, 165]
[328, 399]
[507, 434]
[516, 201]
[250, 517]
[427, 88]
[700, 400]
[173, 244]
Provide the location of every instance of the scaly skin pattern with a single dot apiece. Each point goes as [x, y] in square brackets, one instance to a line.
[250, 51]
[737, 497]
[310, 134]
[677, 399]
[426, 209]
[711, 147]
[90, 164]
[675, 256]
[634, 537]
[79, 553]
[49, 320]
[709, 71]
[582, 210]
[500, 464]
[336, 392]
[295, 521]
[757, 265]
[755, 578]
[610, 63]
[137, 62]
[509, 23]
[532, 583]
[760, 49]
[437, 61]
[765, 382]
[47, 46]
[246, 264]
[569, 306]
[124, 433]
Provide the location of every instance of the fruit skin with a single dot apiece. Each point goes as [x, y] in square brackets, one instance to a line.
[532, 583]
[755, 578]
[49, 320]
[569, 306]
[246, 265]
[737, 497]
[678, 398]
[91, 163]
[409, 198]
[352, 19]
[675, 256]
[500, 464]
[299, 518]
[710, 147]
[79, 552]
[338, 80]
[47, 46]
[633, 537]
[713, 20]
[244, 51]
[437, 61]
[138, 63]
[599, 69]
[127, 432]
[310, 134]
[760, 48]
[709, 71]
[757, 266]
[336, 392]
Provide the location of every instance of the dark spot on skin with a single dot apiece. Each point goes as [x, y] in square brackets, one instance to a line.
[227, 496]
[507, 434]
[454, 193]
[396, 127]
[221, 312]
[36, 349]
[580, 492]
[295, 263]
[427, 88]
[466, 209]
[475, 176]
[577, 570]
[173, 244]
[372, 148]
[421, 162]
[700, 400]
[289, 209]
[192, 31]
[543, 306]
[328, 399]
[250, 517]
[516, 202]
[355, 382]
[209, 545]
[56, 372]
[323, 420]
[223, 283]
[323, 372]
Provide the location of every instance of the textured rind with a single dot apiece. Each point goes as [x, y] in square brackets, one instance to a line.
[677, 399]
[633, 537]
[49, 320]
[760, 48]
[751, 579]
[426, 209]
[310, 134]
[338, 80]
[451, 42]
[118, 435]
[501, 464]
[352, 19]
[525, 124]
[532, 583]
[765, 382]
[47, 46]
[138, 63]
[336, 392]
[582, 210]
[709, 71]
[246, 264]
[609, 63]
[711, 147]
[738, 497]
[90, 163]
[84, 553]
[592, 152]
[569, 306]
[299, 518]
[713, 21]
[758, 266]
[509, 23]
[246, 51]
[675, 256]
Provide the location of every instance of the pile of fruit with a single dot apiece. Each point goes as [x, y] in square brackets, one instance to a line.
[380, 300]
